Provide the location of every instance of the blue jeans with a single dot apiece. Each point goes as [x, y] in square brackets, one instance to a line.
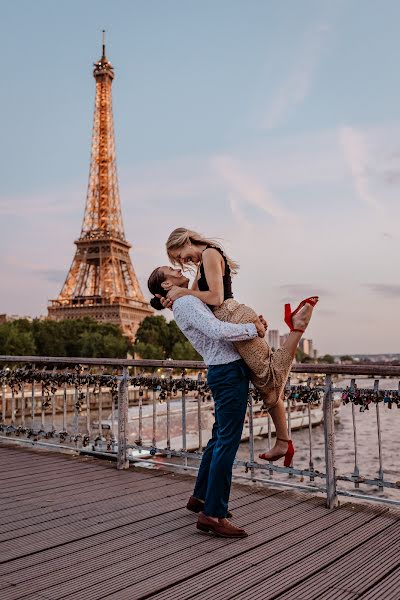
[229, 385]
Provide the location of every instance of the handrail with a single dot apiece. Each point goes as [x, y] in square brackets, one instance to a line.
[378, 370]
[35, 393]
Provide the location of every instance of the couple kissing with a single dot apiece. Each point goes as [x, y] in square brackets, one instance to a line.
[231, 339]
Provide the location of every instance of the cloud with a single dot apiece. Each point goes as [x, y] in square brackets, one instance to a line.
[180, 178]
[66, 200]
[247, 189]
[296, 87]
[355, 150]
[293, 291]
[386, 290]
[391, 176]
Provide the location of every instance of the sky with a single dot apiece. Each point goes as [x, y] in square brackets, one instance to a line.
[273, 126]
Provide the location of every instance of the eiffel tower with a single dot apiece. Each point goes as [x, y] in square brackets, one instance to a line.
[101, 282]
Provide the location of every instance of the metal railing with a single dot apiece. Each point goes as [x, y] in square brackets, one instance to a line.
[160, 413]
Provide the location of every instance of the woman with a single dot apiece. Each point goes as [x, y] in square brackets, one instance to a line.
[213, 285]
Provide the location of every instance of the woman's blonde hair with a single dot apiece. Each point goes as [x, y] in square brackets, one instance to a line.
[181, 236]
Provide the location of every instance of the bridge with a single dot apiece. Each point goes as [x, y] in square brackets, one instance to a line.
[73, 526]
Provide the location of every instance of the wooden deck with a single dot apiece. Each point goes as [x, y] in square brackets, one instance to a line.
[78, 529]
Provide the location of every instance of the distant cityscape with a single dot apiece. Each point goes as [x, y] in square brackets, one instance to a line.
[306, 346]
[276, 341]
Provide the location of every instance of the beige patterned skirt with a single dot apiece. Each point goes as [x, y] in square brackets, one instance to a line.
[269, 369]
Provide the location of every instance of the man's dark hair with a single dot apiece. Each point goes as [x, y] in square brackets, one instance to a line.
[154, 284]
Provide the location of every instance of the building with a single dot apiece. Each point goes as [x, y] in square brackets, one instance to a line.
[101, 282]
[273, 339]
[306, 346]
[282, 339]
[4, 318]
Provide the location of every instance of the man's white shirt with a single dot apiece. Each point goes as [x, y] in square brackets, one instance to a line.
[213, 339]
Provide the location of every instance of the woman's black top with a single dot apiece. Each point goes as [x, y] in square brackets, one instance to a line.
[227, 279]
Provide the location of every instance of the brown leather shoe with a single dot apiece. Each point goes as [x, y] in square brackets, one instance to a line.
[222, 529]
[196, 505]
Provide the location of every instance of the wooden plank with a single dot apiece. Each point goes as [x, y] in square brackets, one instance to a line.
[60, 490]
[106, 511]
[78, 484]
[285, 579]
[48, 520]
[157, 514]
[352, 573]
[69, 480]
[63, 534]
[181, 563]
[37, 512]
[22, 463]
[153, 510]
[58, 583]
[387, 588]
[99, 528]
[180, 536]
[61, 502]
[258, 560]
[50, 473]
[27, 507]
[152, 527]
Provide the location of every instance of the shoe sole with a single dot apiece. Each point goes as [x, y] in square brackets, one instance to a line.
[207, 529]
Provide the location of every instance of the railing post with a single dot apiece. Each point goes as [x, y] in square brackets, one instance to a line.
[122, 457]
[329, 437]
[251, 431]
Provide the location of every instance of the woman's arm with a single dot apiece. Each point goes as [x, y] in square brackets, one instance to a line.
[213, 269]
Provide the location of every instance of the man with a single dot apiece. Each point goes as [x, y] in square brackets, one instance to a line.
[228, 379]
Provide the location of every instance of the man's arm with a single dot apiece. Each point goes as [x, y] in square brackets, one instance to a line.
[191, 312]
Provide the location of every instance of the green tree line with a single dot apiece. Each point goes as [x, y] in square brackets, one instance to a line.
[156, 339]
[75, 337]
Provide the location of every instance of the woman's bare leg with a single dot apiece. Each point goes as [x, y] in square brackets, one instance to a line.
[278, 413]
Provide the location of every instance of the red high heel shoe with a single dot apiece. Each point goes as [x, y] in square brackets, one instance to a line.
[312, 301]
[288, 455]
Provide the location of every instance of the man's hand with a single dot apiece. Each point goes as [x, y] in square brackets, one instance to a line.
[261, 326]
[176, 292]
[264, 322]
[165, 301]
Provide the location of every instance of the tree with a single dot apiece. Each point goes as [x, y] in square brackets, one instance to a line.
[72, 337]
[300, 355]
[16, 339]
[49, 338]
[346, 358]
[327, 358]
[157, 339]
[152, 338]
[184, 350]
[149, 351]
[175, 336]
